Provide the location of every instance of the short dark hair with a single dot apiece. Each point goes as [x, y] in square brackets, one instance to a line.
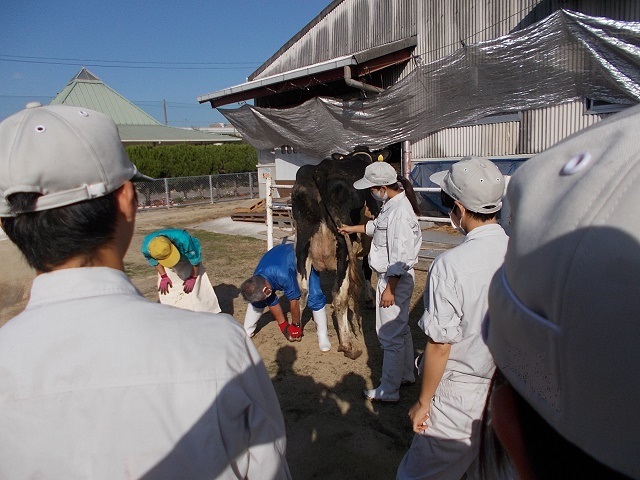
[448, 202]
[48, 238]
[252, 288]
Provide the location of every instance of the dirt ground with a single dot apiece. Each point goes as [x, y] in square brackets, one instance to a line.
[333, 432]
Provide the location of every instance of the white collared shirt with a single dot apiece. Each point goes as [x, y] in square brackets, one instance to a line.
[397, 237]
[98, 382]
[456, 301]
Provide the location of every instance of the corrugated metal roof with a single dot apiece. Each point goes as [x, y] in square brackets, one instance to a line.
[296, 37]
[282, 77]
[135, 125]
[342, 28]
[163, 134]
[364, 59]
[87, 90]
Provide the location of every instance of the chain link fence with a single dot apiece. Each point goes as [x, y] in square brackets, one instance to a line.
[185, 191]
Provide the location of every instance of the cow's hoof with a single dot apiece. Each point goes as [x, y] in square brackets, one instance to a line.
[350, 352]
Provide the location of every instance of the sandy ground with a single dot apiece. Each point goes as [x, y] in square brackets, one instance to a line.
[333, 432]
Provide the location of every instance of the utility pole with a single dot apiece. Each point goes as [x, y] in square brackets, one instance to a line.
[164, 104]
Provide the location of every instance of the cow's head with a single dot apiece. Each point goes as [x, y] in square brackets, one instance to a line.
[360, 157]
[363, 152]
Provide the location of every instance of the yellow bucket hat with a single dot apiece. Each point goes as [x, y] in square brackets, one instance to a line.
[164, 251]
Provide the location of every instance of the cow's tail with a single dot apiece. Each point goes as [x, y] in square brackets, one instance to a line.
[355, 276]
[355, 280]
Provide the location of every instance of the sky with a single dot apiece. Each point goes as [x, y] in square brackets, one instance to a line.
[149, 52]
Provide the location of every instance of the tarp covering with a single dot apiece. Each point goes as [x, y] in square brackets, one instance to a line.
[562, 58]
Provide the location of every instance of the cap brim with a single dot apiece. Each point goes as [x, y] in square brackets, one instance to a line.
[438, 177]
[172, 259]
[362, 184]
[139, 177]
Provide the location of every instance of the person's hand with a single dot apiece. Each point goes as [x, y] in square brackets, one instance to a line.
[165, 283]
[293, 331]
[387, 298]
[346, 229]
[419, 415]
[188, 284]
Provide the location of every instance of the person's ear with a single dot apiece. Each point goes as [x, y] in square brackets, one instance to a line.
[127, 207]
[127, 201]
[506, 423]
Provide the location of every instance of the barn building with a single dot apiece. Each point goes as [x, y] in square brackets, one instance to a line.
[438, 79]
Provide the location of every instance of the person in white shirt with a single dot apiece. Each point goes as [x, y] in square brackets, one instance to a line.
[395, 245]
[457, 367]
[96, 381]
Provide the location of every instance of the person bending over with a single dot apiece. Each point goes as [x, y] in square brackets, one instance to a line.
[276, 271]
[177, 257]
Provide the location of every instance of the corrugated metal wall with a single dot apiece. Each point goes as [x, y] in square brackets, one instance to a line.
[487, 140]
[450, 23]
[445, 24]
[536, 131]
[546, 126]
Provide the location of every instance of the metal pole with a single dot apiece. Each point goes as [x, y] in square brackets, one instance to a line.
[164, 103]
[211, 188]
[406, 159]
[430, 219]
[269, 209]
[166, 192]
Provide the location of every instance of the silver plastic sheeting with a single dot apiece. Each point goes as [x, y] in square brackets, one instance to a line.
[562, 58]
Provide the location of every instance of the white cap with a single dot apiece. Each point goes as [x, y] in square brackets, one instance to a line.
[564, 310]
[475, 182]
[377, 174]
[67, 154]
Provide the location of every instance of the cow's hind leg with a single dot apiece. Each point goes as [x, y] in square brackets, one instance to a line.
[304, 233]
[347, 345]
[303, 282]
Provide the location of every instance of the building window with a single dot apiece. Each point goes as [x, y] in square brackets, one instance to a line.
[497, 118]
[601, 106]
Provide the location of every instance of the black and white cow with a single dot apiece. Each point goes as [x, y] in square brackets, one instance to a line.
[322, 199]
